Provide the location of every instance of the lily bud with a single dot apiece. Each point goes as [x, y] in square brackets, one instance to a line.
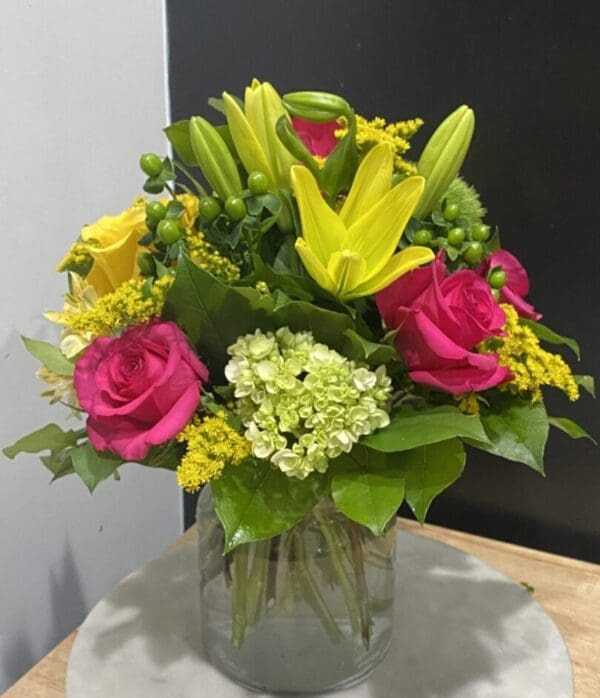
[443, 156]
[290, 139]
[316, 106]
[253, 130]
[214, 158]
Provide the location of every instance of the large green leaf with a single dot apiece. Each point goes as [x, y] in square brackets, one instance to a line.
[361, 349]
[214, 315]
[548, 335]
[255, 501]
[93, 467]
[367, 487]
[49, 355]
[517, 430]
[428, 471]
[410, 428]
[327, 326]
[49, 438]
[570, 428]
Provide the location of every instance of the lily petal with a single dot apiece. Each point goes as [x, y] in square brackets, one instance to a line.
[249, 148]
[314, 266]
[347, 269]
[377, 233]
[322, 228]
[399, 264]
[371, 183]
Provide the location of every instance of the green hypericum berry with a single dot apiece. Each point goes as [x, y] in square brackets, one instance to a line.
[209, 208]
[145, 262]
[422, 237]
[235, 208]
[497, 279]
[155, 211]
[168, 231]
[496, 294]
[480, 232]
[154, 186]
[456, 236]
[151, 164]
[258, 182]
[473, 253]
[451, 212]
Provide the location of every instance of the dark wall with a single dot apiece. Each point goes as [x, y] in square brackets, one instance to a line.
[530, 70]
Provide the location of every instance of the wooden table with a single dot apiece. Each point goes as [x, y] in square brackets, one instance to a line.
[568, 589]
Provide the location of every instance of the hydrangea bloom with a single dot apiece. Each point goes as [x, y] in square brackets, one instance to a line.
[301, 402]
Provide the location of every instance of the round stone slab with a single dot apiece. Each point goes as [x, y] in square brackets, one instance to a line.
[462, 630]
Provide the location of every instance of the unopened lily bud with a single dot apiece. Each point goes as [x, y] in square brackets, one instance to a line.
[214, 158]
[316, 106]
[443, 156]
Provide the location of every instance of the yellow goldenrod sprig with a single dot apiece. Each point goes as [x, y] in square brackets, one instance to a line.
[205, 256]
[532, 367]
[371, 132]
[128, 305]
[211, 445]
[467, 403]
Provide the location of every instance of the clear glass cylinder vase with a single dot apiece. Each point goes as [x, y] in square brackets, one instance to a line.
[306, 611]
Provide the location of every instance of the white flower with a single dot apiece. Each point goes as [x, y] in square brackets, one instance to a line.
[302, 402]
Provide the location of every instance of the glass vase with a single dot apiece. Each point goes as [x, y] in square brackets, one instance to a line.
[309, 610]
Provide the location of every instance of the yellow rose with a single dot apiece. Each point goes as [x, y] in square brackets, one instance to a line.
[112, 242]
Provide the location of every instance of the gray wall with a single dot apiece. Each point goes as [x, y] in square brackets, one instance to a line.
[83, 94]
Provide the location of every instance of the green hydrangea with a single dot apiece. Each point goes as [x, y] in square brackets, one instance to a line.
[301, 402]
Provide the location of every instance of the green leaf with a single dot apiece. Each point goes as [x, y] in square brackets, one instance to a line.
[367, 487]
[517, 430]
[255, 501]
[49, 355]
[175, 210]
[214, 315]
[300, 287]
[428, 471]
[587, 383]
[93, 467]
[49, 438]
[411, 428]
[570, 428]
[272, 203]
[361, 349]
[59, 464]
[327, 326]
[547, 335]
[179, 137]
[217, 103]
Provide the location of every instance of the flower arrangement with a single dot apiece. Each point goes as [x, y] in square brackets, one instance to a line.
[303, 314]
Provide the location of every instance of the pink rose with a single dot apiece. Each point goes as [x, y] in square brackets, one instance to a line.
[517, 282]
[139, 389]
[440, 319]
[318, 138]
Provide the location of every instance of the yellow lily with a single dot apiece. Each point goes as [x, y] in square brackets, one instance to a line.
[256, 140]
[353, 253]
